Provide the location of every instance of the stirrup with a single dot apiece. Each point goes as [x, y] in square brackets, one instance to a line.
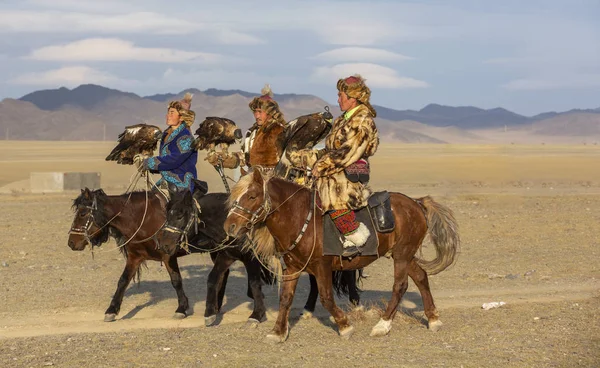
[350, 250]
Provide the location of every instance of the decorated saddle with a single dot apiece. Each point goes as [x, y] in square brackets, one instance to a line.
[377, 217]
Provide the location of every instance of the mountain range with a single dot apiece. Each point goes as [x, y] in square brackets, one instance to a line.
[92, 112]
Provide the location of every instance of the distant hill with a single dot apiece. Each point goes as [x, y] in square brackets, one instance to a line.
[91, 112]
[85, 96]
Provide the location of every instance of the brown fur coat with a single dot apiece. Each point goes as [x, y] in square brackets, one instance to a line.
[347, 142]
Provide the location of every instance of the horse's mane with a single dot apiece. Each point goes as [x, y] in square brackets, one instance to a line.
[239, 189]
[260, 240]
[245, 181]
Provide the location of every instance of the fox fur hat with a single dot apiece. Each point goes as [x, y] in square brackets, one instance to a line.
[183, 108]
[266, 103]
[355, 87]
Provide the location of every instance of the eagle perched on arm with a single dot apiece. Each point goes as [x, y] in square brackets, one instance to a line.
[136, 139]
[304, 132]
[217, 131]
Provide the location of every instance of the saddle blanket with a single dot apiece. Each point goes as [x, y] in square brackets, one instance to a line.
[333, 239]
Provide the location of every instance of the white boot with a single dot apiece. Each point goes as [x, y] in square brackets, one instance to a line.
[358, 238]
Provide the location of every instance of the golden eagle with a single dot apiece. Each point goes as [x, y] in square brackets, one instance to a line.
[217, 131]
[304, 132]
[136, 139]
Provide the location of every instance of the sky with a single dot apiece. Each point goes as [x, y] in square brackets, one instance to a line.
[527, 56]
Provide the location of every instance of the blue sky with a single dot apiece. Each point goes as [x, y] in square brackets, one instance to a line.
[527, 56]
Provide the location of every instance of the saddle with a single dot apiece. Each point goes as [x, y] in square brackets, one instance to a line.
[377, 217]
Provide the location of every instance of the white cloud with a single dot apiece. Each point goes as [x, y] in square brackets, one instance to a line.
[68, 76]
[55, 22]
[114, 49]
[376, 75]
[553, 83]
[229, 37]
[360, 54]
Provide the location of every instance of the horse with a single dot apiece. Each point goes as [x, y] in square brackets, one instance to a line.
[133, 220]
[187, 225]
[282, 207]
[195, 221]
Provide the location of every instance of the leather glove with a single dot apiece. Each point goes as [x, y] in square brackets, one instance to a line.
[213, 158]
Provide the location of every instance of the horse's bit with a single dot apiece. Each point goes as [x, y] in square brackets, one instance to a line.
[84, 231]
[194, 220]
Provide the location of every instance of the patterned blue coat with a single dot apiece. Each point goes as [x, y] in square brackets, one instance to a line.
[177, 160]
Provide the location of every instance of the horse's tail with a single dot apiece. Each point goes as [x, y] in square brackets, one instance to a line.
[443, 231]
[340, 283]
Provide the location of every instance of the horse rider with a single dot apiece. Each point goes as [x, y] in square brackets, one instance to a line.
[341, 171]
[177, 157]
[264, 142]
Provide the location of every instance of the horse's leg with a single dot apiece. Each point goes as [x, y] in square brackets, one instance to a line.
[384, 325]
[325, 283]
[419, 277]
[253, 269]
[281, 330]
[131, 267]
[173, 268]
[350, 277]
[222, 288]
[311, 302]
[221, 294]
[215, 280]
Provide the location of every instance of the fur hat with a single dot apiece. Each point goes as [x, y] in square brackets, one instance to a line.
[355, 87]
[266, 103]
[183, 108]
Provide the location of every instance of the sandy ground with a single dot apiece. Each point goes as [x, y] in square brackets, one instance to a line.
[529, 219]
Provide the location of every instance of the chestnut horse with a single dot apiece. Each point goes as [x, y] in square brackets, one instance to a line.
[284, 207]
[98, 216]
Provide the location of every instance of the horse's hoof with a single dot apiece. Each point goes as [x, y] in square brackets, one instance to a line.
[435, 325]
[359, 308]
[306, 314]
[382, 328]
[277, 339]
[110, 317]
[179, 315]
[347, 332]
[209, 321]
[253, 322]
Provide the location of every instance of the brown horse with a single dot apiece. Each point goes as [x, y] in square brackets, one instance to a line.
[282, 208]
[98, 216]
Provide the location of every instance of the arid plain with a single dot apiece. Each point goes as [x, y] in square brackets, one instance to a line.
[529, 219]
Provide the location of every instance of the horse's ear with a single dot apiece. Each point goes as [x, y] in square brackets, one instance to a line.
[257, 176]
[244, 172]
[86, 193]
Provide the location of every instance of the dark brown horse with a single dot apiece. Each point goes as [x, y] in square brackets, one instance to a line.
[282, 207]
[98, 216]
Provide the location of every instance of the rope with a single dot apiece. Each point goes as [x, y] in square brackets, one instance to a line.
[139, 174]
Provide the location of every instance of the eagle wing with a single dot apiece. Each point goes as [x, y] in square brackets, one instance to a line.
[216, 130]
[135, 139]
[308, 130]
[305, 132]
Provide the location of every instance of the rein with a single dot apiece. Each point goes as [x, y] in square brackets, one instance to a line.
[255, 219]
[84, 231]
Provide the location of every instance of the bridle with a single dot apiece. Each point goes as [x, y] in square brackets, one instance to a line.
[193, 221]
[90, 220]
[253, 217]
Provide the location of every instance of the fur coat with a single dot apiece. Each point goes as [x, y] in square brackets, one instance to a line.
[264, 145]
[350, 139]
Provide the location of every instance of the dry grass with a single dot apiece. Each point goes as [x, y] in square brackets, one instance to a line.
[395, 166]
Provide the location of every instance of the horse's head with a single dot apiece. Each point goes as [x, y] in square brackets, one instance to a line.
[249, 204]
[182, 217]
[88, 224]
